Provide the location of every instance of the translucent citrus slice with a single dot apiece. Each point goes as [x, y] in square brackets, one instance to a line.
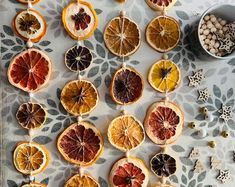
[81, 143]
[30, 70]
[79, 19]
[164, 122]
[30, 158]
[129, 172]
[164, 76]
[122, 36]
[34, 184]
[29, 24]
[31, 115]
[125, 132]
[163, 33]
[79, 97]
[160, 5]
[26, 1]
[81, 181]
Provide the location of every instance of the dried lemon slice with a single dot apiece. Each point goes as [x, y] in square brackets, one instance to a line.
[160, 5]
[80, 181]
[34, 184]
[27, 1]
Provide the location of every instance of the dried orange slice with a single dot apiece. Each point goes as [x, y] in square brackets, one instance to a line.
[164, 122]
[129, 172]
[81, 143]
[34, 184]
[164, 76]
[30, 70]
[80, 181]
[79, 97]
[79, 19]
[126, 86]
[122, 36]
[26, 1]
[29, 24]
[125, 133]
[160, 5]
[30, 158]
[163, 33]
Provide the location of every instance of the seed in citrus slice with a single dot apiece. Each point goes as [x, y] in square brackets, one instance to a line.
[31, 115]
[81, 143]
[79, 97]
[126, 86]
[125, 133]
[160, 5]
[80, 181]
[164, 122]
[129, 172]
[122, 36]
[78, 58]
[26, 1]
[30, 70]
[34, 184]
[164, 76]
[29, 24]
[163, 165]
[30, 158]
[79, 19]
[163, 33]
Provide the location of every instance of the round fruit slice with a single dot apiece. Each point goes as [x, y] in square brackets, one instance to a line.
[164, 122]
[80, 181]
[78, 58]
[29, 24]
[160, 5]
[163, 33]
[79, 19]
[79, 97]
[125, 133]
[26, 1]
[162, 185]
[30, 70]
[164, 76]
[34, 184]
[122, 36]
[30, 158]
[163, 165]
[81, 143]
[126, 86]
[129, 172]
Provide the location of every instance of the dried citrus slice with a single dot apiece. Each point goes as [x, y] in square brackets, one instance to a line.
[34, 184]
[81, 143]
[30, 158]
[79, 19]
[162, 185]
[129, 172]
[164, 122]
[126, 86]
[80, 181]
[79, 97]
[163, 33]
[164, 76]
[29, 24]
[122, 36]
[125, 132]
[30, 70]
[160, 5]
[26, 1]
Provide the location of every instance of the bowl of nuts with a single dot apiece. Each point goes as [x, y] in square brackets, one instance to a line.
[216, 31]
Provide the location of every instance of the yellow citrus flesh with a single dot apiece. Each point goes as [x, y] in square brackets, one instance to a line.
[81, 181]
[34, 184]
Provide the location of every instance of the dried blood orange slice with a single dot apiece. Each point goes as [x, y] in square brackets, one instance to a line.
[29, 24]
[160, 5]
[126, 86]
[164, 76]
[30, 70]
[26, 1]
[80, 181]
[163, 33]
[129, 172]
[30, 158]
[164, 122]
[79, 19]
[122, 36]
[81, 143]
[125, 133]
[79, 97]
[34, 184]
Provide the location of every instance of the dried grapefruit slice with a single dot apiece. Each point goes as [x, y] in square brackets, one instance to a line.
[79, 97]
[34, 184]
[81, 143]
[126, 86]
[80, 181]
[30, 70]
[79, 19]
[26, 1]
[122, 36]
[164, 122]
[160, 5]
[163, 33]
[125, 132]
[30, 158]
[164, 76]
[129, 172]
